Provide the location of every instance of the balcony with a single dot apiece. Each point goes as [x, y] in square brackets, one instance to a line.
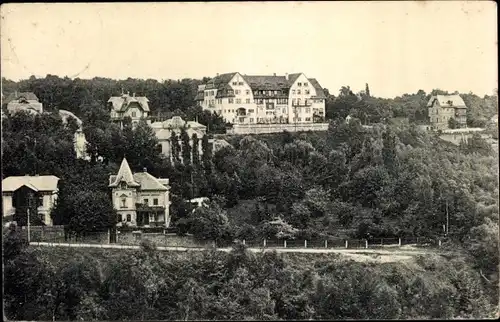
[301, 104]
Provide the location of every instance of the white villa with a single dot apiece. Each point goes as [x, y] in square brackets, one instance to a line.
[139, 198]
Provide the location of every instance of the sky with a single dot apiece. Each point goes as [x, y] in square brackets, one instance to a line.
[396, 47]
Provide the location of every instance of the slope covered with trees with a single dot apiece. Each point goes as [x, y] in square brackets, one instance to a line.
[62, 284]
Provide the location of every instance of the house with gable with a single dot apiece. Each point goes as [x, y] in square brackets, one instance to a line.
[166, 129]
[23, 101]
[442, 108]
[36, 194]
[140, 199]
[135, 107]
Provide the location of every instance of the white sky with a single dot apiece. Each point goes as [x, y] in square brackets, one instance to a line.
[396, 47]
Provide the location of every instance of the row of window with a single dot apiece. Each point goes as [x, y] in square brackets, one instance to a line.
[299, 91]
[120, 219]
[300, 84]
[260, 101]
[237, 83]
[146, 202]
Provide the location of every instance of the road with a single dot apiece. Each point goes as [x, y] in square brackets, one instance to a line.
[393, 251]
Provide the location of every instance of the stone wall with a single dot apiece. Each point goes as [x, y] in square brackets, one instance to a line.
[160, 239]
[276, 128]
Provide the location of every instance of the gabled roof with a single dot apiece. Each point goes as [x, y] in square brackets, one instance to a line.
[121, 103]
[124, 174]
[30, 96]
[266, 82]
[149, 182]
[448, 101]
[293, 77]
[195, 125]
[220, 80]
[37, 183]
[319, 90]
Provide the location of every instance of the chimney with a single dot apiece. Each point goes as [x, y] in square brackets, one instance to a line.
[144, 169]
[286, 76]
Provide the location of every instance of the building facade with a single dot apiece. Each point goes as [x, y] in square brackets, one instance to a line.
[165, 130]
[23, 101]
[140, 199]
[244, 99]
[123, 106]
[442, 108]
[36, 194]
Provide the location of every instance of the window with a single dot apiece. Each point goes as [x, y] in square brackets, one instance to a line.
[237, 91]
[40, 201]
[306, 91]
[300, 119]
[230, 101]
[308, 110]
[247, 101]
[134, 114]
[129, 217]
[42, 217]
[293, 91]
[238, 101]
[118, 218]
[235, 83]
[123, 185]
[146, 202]
[293, 101]
[240, 83]
[155, 201]
[284, 111]
[298, 91]
[250, 111]
[308, 119]
[251, 120]
[124, 203]
[248, 92]
[298, 101]
[300, 84]
[305, 84]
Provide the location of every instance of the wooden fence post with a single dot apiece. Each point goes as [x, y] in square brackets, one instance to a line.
[109, 236]
[399, 242]
[264, 242]
[284, 243]
[366, 243]
[305, 243]
[243, 242]
[439, 243]
[326, 243]
[346, 243]
[381, 242]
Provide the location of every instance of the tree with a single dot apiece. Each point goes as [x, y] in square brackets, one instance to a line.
[196, 154]
[186, 147]
[210, 223]
[176, 148]
[453, 124]
[367, 90]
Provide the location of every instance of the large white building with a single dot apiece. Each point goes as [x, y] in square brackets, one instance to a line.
[244, 99]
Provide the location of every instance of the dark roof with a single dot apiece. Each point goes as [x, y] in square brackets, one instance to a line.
[266, 82]
[319, 90]
[293, 77]
[30, 96]
[199, 97]
[220, 80]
